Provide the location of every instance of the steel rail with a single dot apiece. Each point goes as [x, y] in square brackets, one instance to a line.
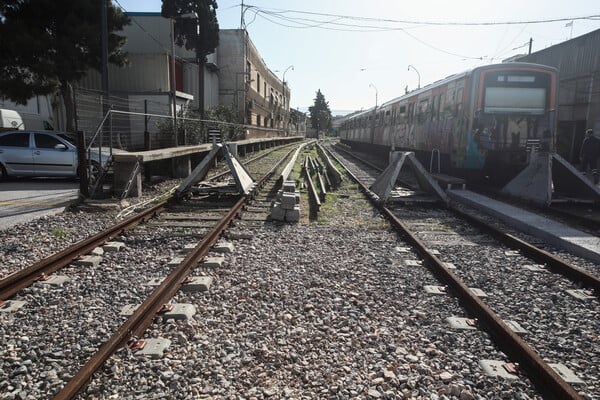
[10, 285]
[555, 263]
[541, 374]
[143, 316]
[23, 278]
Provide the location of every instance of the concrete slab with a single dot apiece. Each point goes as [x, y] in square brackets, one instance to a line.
[175, 262]
[497, 368]
[478, 292]
[401, 249]
[212, 262]
[198, 284]
[289, 186]
[565, 373]
[98, 251]
[534, 183]
[449, 265]
[277, 212]
[462, 323]
[223, 247]
[88, 261]
[129, 309]
[12, 305]
[293, 215]
[288, 201]
[581, 294]
[55, 280]
[535, 267]
[516, 327]
[113, 246]
[470, 324]
[188, 248]
[178, 312]
[551, 232]
[412, 263]
[155, 281]
[431, 289]
[154, 347]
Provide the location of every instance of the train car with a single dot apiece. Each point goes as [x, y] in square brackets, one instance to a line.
[479, 123]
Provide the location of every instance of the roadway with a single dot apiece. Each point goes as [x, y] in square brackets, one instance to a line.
[23, 200]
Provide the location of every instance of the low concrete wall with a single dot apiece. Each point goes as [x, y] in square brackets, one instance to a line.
[178, 162]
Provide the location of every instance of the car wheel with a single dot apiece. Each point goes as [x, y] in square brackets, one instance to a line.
[3, 174]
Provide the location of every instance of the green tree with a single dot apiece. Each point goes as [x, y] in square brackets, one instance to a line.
[320, 114]
[200, 34]
[47, 45]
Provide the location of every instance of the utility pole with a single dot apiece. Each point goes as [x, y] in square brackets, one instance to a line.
[174, 82]
[530, 43]
[242, 15]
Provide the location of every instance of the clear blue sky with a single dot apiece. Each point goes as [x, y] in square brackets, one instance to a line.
[351, 60]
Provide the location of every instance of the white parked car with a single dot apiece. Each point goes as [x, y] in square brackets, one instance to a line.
[43, 154]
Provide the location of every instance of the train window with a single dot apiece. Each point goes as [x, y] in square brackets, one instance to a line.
[402, 109]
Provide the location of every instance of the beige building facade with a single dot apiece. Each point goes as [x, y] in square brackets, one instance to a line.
[261, 99]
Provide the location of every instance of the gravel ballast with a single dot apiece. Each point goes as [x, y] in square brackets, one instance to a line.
[304, 311]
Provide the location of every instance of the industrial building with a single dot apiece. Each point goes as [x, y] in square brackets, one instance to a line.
[578, 63]
[235, 75]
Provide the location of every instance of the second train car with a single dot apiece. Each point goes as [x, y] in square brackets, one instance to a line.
[479, 123]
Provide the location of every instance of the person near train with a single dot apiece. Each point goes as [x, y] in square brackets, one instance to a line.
[590, 151]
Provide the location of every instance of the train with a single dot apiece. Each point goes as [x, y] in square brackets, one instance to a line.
[479, 124]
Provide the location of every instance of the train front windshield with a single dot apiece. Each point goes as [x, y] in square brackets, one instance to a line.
[515, 109]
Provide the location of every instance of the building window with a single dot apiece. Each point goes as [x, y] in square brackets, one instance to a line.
[257, 83]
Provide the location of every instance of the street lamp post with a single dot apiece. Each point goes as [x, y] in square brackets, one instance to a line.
[373, 86]
[284, 108]
[418, 76]
[173, 81]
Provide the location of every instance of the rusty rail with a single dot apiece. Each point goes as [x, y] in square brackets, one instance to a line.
[139, 321]
[556, 264]
[10, 285]
[542, 375]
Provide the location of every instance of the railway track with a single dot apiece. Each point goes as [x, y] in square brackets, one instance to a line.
[330, 309]
[498, 283]
[176, 238]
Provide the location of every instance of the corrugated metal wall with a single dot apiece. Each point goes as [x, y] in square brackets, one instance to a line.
[578, 63]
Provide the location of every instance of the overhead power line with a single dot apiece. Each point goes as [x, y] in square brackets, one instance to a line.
[304, 22]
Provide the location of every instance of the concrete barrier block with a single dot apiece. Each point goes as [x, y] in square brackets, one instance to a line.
[277, 212]
[288, 201]
[293, 215]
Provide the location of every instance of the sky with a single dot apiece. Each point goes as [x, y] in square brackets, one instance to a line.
[358, 52]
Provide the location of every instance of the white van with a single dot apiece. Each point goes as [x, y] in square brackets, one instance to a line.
[10, 120]
[36, 122]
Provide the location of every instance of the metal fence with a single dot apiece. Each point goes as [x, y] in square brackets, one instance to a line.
[135, 119]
